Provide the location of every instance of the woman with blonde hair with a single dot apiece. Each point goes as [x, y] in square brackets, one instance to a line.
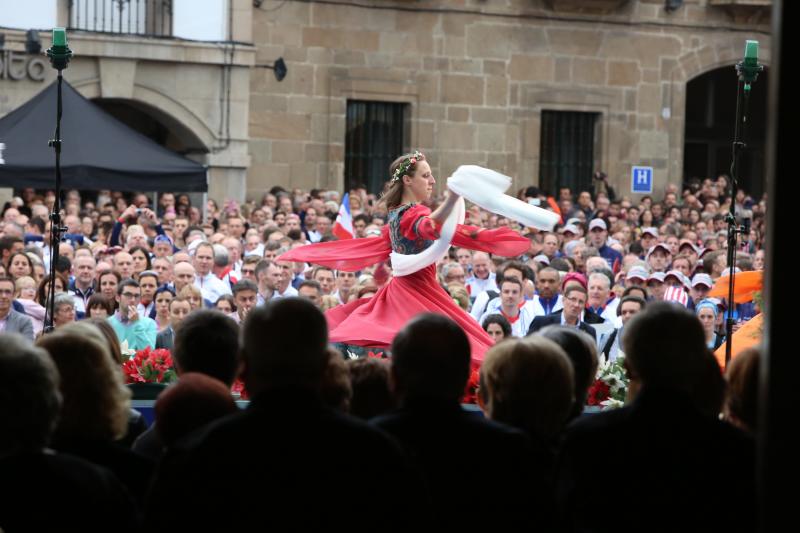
[459, 293]
[193, 295]
[96, 404]
[25, 294]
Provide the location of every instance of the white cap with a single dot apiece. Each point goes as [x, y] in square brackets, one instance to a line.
[657, 246]
[702, 279]
[679, 275]
[572, 228]
[637, 272]
[598, 223]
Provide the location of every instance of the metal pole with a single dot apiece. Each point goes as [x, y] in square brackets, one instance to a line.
[55, 216]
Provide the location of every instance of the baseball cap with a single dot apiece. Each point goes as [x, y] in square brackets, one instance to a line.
[653, 232]
[637, 272]
[687, 242]
[656, 246]
[656, 276]
[677, 274]
[702, 279]
[162, 238]
[541, 258]
[597, 223]
[570, 228]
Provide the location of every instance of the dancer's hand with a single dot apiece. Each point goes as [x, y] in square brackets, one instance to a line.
[451, 196]
[442, 212]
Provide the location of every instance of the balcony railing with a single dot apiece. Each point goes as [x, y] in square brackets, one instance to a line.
[137, 17]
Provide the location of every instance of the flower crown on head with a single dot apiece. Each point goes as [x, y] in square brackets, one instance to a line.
[402, 169]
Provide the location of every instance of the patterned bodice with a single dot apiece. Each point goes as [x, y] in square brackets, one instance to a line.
[400, 243]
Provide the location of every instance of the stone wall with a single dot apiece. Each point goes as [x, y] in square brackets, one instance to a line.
[478, 74]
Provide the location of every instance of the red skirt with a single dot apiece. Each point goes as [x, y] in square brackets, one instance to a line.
[373, 322]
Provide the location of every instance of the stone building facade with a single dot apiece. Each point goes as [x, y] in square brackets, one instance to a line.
[476, 78]
[479, 74]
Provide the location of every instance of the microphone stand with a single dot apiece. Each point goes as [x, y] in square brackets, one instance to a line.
[747, 71]
[59, 55]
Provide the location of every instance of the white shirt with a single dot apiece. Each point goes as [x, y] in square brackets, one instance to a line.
[539, 310]
[211, 286]
[314, 236]
[522, 324]
[615, 349]
[258, 250]
[477, 285]
[80, 303]
[288, 293]
[479, 305]
[144, 310]
[611, 322]
[609, 314]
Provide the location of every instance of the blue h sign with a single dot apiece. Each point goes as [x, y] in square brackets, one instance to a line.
[642, 180]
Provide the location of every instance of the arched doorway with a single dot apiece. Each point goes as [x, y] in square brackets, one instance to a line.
[709, 130]
[153, 123]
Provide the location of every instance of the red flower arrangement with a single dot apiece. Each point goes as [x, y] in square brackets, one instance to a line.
[610, 387]
[150, 366]
[598, 393]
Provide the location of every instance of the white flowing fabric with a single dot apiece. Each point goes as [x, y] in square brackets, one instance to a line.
[486, 188]
[404, 264]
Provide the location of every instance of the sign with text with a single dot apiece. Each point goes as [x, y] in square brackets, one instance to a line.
[642, 180]
[17, 66]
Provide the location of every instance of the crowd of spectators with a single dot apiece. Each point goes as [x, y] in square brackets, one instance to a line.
[208, 284]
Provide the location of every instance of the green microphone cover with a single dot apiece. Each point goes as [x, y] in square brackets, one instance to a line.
[60, 37]
[751, 53]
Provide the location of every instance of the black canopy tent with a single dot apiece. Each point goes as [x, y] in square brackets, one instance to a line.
[99, 152]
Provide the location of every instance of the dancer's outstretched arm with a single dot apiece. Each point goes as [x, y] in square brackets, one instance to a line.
[441, 213]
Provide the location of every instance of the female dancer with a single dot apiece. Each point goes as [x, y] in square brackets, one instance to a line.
[411, 228]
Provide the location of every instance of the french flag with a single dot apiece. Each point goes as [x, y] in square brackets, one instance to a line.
[343, 227]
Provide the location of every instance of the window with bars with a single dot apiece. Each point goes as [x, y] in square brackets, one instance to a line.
[375, 136]
[566, 152]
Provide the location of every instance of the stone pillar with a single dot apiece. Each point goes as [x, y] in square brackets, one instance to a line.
[226, 183]
[227, 173]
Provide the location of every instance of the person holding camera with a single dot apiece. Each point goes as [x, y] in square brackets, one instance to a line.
[134, 213]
